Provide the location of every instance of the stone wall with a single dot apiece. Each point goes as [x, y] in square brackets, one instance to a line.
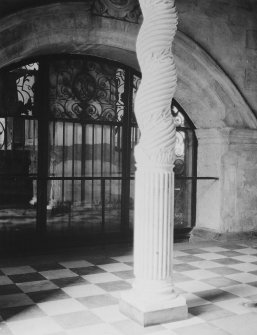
[227, 30]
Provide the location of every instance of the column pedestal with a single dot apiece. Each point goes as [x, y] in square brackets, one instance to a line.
[153, 312]
[153, 299]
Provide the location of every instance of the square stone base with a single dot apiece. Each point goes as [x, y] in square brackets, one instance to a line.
[147, 314]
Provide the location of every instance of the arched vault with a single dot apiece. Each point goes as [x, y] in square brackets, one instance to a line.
[205, 92]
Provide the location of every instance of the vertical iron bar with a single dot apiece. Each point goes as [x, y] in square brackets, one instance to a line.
[63, 158]
[93, 162]
[110, 170]
[43, 142]
[102, 133]
[73, 162]
[83, 161]
[103, 206]
[126, 151]
[194, 180]
[5, 133]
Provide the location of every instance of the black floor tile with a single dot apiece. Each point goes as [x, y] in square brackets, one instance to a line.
[70, 281]
[101, 260]
[215, 295]
[209, 312]
[124, 274]
[26, 277]
[226, 261]
[194, 251]
[48, 295]
[47, 267]
[222, 270]
[230, 253]
[21, 313]
[9, 289]
[89, 270]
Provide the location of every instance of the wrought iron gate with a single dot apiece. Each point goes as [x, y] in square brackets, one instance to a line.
[67, 135]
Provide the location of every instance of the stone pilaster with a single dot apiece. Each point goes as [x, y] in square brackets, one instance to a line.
[153, 299]
[226, 207]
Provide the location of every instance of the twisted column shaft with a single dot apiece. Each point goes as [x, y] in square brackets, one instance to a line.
[159, 79]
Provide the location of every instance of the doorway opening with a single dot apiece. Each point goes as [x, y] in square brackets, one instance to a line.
[67, 136]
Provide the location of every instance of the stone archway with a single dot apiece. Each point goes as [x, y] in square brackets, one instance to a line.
[204, 91]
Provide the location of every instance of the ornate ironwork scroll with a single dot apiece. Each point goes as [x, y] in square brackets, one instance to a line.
[25, 82]
[86, 89]
[126, 10]
[2, 133]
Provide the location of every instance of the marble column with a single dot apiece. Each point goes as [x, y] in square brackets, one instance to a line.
[153, 299]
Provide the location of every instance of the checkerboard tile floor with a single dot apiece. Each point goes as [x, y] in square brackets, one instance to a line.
[77, 292]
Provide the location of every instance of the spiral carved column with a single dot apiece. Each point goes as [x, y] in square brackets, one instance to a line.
[152, 299]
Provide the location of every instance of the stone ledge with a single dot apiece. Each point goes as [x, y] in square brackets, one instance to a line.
[200, 234]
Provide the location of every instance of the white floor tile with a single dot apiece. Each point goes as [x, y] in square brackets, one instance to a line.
[61, 306]
[244, 267]
[4, 280]
[210, 256]
[76, 264]
[102, 329]
[192, 320]
[246, 258]
[194, 286]
[36, 326]
[242, 290]
[193, 300]
[113, 267]
[201, 329]
[243, 277]
[205, 264]
[247, 251]
[17, 270]
[199, 274]
[234, 305]
[80, 291]
[245, 324]
[178, 253]
[109, 313]
[56, 274]
[164, 332]
[214, 249]
[125, 258]
[35, 286]
[101, 277]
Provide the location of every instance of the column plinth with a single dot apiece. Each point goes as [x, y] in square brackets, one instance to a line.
[153, 299]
